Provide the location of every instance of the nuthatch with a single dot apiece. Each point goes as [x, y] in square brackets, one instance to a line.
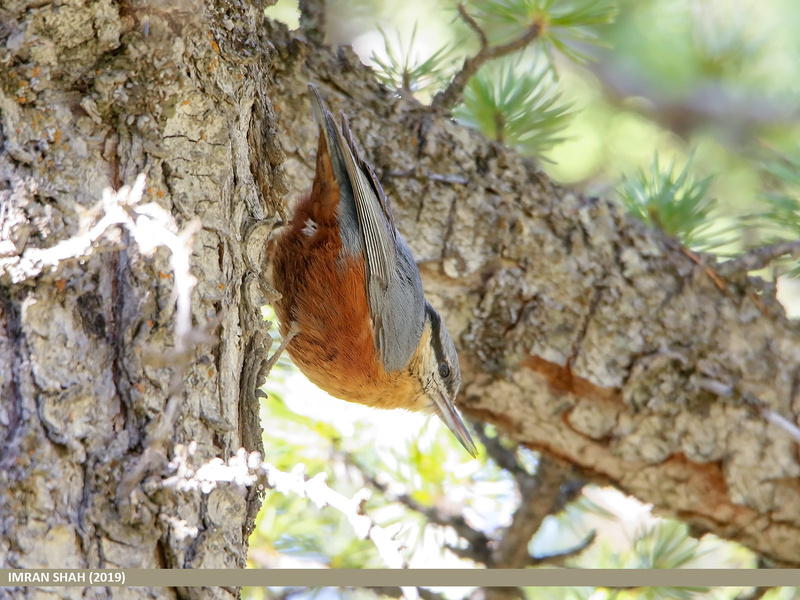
[352, 291]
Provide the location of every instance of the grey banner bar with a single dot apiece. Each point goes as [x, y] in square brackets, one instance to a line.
[408, 577]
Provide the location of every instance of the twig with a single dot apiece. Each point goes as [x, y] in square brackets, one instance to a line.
[479, 543]
[473, 24]
[711, 101]
[268, 364]
[451, 179]
[559, 558]
[504, 458]
[709, 271]
[725, 390]
[758, 258]
[782, 422]
[318, 492]
[772, 417]
[247, 469]
[396, 592]
[544, 493]
[541, 496]
[181, 529]
[497, 593]
[451, 95]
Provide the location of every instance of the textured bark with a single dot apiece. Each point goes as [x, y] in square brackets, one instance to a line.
[581, 333]
[91, 94]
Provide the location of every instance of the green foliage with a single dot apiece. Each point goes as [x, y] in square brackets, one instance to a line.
[293, 526]
[562, 593]
[782, 216]
[675, 203]
[722, 46]
[515, 103]
[666, 546]
[569, 26]
[785, 172]
[402, 68]
[780, 220]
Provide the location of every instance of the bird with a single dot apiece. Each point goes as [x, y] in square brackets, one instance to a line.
[351, 293]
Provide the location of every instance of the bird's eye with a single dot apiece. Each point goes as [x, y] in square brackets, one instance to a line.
[444, 370]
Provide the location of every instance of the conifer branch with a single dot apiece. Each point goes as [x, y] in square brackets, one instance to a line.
[451, 95]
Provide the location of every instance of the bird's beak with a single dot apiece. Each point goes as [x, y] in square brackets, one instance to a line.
[448, 413]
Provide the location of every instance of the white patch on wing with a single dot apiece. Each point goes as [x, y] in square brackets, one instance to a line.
[310, 229]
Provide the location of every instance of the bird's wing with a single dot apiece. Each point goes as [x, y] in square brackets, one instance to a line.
[393, 286]
[372, 209]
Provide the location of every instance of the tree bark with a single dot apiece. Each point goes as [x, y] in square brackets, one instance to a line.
[92, 95]
[581, 333]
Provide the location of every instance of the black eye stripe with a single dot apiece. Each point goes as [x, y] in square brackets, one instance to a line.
[438, 350]
[436, 339]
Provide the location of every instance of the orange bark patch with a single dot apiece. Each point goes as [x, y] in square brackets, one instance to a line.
[561, 380]
[707, 479]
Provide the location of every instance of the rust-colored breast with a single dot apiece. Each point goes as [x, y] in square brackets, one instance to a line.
[324, 293]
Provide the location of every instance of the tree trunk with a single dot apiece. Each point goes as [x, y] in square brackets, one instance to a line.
[581, 333]
[92, 95]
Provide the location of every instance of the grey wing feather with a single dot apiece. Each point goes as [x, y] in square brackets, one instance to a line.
[402, 311]
[377, 232]
[394, 286]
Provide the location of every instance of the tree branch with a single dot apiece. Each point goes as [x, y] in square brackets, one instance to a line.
[544, 493]
[450, 179]
[478, 543]
[754, 594]
[541, 496]
[758, 258]
[452, 94]
[623, 406]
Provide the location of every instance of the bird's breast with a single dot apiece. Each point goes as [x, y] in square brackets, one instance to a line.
[323, 290]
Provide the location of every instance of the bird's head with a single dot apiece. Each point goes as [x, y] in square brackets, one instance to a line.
[435, 365]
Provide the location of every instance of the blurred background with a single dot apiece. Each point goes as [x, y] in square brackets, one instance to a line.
[685, 111]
